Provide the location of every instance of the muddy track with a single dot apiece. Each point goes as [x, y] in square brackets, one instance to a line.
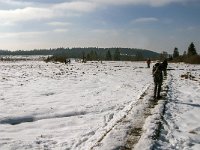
[136, 131]
[130, 127]
[155, 118]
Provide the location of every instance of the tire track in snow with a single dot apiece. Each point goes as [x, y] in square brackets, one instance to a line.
[121, 120]
[129, 128]
[147, 103]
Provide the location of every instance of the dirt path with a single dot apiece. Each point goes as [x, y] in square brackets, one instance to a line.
[130, 128]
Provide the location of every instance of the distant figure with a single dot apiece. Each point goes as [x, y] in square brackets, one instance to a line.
[67, 61]
[158, 79]
[164, 65]
[148, 62]
[84, 60]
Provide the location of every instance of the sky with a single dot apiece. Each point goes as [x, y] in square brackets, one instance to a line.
[158, 25]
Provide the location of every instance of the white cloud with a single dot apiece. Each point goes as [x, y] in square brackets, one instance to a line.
[118, 38]
[77, 6]
[60, 30]
[7, 24]
[50, 11]
[16, 3]
[154, 3]
[25, 14]
[21, 11]
[22, 34]
[31, 11]
[92, 2]
[106, 31]
[145, 20]
[58, 23]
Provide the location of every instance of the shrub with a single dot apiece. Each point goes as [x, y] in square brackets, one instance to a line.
[195, 59]
[56, 58]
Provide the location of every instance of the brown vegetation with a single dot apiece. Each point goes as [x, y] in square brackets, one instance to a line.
[61, 59]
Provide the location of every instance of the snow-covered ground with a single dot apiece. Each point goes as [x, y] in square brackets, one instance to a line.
[92, 105]
[181, 122]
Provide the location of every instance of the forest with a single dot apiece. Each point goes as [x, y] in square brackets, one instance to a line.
[110, 54]
[90, 53]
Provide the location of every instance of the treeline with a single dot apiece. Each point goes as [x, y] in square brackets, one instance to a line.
[190, 56]
[91, 53]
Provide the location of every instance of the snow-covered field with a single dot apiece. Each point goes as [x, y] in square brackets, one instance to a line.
[79, 106]
[182, 118]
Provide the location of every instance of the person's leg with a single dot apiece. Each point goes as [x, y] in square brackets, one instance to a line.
[155, 89]
[159, 89]
[165, 72]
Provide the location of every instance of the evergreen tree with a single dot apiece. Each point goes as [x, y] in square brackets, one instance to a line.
[88, 57]
[164, 55]
[92, 55]
[83, 57]
[108, 55]
[176, 53]
[192, 50]
[170, 57]
[117, 54]
[95, 56]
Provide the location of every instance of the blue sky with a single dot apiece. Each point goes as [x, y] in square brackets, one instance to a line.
[158, 25]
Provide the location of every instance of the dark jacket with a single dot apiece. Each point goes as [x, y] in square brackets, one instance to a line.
[164, 64]
[157, 73]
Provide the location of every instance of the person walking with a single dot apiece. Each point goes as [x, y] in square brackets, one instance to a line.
[164, 65]
[148, 62]
[158, 79]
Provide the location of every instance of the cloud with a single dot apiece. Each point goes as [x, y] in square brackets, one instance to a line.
[145, 20]
[45, 12]
[16, 3]
[7, 24]
[58, 23]
[60, 30]
[77, 6]
[37, 10]
[53, 17]
[25, 14]
[22, 34]
[154, 3]
[118, 38]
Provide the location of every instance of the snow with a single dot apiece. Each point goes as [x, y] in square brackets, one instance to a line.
[96, 105]
[182, 120]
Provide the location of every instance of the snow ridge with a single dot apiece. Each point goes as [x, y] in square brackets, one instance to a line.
[24, 119]
[153, 123]
[103, 132]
